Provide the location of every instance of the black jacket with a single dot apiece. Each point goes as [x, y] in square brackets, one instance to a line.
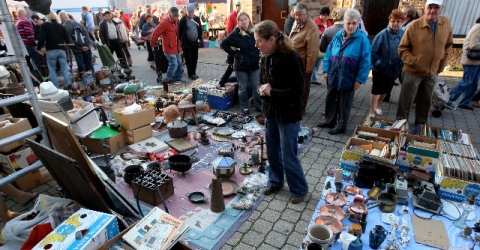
[285, 73]
[52, 34]
[245, 53]
[103, 32]
[287, 28]
[69, 28]
[182, 33]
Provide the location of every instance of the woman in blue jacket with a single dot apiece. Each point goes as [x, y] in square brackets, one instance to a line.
[386, 63]
[345, 67]
[240, 44]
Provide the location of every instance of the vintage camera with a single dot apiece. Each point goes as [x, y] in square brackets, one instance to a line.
[400, 188]
[426, 197]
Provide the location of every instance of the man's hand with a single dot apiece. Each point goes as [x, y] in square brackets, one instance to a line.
[40, 52]
[325, 76]
[265, 89]
[356, 85]
[84, 48]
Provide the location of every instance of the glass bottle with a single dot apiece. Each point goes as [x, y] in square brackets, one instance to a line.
[468, 207]
[363, 222]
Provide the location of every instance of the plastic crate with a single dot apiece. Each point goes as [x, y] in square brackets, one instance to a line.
[199, 95]
[220, 103]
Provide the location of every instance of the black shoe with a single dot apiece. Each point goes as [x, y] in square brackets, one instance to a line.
[386, 100]
[465, 107]
[270, 190]
[192, 77]
[196, 77]
[324, 125]
[335, 131]
[316, 83]
[151, 66]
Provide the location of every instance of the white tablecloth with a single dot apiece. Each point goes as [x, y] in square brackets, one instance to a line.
[374, 218]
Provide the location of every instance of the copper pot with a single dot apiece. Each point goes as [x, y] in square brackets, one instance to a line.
[334, 224]
[337, 199]
[356, 210]
[100, 75]
[332, 211]
[351, 189]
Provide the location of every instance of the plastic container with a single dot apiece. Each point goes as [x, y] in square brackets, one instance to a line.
[212, 44]
[199, 95]
[220, 103]
[205, 44]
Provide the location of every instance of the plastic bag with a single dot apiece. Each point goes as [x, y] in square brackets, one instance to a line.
[132, 109]
[16, 231]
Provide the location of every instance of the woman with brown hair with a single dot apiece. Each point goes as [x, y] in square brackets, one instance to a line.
[281, 87]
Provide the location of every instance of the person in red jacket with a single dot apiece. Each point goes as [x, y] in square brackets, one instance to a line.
[232, 18]
[168, 29]
[323, 23]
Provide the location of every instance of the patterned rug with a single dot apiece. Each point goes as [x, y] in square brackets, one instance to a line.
[208, 230]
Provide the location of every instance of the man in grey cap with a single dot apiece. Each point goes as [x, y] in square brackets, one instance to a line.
[190, 33]
[168, 29]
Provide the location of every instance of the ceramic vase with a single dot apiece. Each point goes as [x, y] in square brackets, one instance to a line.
[377, 236]
[356, 244]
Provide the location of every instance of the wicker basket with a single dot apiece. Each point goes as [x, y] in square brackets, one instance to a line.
[16, 89]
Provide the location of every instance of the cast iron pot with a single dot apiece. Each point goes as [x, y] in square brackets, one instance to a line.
[131, 172]
[177, 129]
[180, 163]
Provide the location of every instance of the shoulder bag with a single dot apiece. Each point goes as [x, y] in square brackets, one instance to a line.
[473, 54]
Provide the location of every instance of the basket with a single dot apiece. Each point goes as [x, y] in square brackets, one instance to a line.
[15, 89]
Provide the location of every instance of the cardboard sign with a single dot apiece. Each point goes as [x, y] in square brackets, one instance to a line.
[430, 232]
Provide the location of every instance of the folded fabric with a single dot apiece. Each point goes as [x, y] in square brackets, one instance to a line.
[39, 232]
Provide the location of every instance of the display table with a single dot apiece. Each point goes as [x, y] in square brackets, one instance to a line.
[374, 218]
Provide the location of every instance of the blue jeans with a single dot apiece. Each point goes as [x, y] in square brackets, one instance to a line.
[174, 66]
[315, 70]
[84, 61]
[248, 79]
[282, 147]
[467, 86]
[52, 57]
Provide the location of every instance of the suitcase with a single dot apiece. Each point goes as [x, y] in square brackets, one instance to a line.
[161, 62]
[106, 56]
[138, 41]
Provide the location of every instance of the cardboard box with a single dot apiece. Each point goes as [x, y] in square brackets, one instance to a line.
[22, 158]
[139, 134]
[418, 157]
[32, 179]
[370, 122]
[114, 143]
[136, 120]
[19, 125]
[85, 229]
[455, 189]
[350, 158]
[437, 134]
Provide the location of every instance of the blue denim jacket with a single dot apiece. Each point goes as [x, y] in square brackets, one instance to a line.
[385, 49]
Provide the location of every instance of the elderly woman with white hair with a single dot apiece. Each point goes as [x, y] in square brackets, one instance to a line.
[345, 68]
[54, 36]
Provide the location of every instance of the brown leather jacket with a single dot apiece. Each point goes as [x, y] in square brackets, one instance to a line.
[422, 53]
[306, 42]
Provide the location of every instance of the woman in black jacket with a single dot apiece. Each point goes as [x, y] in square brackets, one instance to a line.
[281, 87]
[240, 44]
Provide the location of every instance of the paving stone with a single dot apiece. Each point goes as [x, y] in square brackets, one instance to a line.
[262, 225]
[296, 239]
[283, 195]
[53, 191]
[315, 172]
[243, 246]
[271, 215]
[277, 205]
[226, 247]
[265, 246]
[290, 215]
[245, 227]
[283, 227]
[275, 239]
[290, 247]
[301, 225]
[235, 239]
[300, 206]
[262, 206]
[52, 183]
[40, 189]
[314, 149]
[253, 238]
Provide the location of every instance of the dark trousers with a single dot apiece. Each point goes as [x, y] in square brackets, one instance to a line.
[116, 46]
[476, 97]
[84, 61]
[226, 75]
[338, 107]
[191, 58]
[150, 57]
[306, 93]
[32, 54]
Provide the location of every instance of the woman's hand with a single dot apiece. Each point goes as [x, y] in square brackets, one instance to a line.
[265, 90]
[356, 85]
[325, 76]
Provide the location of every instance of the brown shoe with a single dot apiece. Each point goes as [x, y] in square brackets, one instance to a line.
[296, 200]
[270, 190]
[475, 104]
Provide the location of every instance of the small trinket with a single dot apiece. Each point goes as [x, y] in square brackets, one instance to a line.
[403, 210]
[359, 198]
[355, 228]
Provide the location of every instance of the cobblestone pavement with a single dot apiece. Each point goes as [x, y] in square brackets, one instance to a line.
[277, 224]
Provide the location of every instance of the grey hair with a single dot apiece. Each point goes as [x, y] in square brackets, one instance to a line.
[351, 13]
[301, 6]
[63, 14]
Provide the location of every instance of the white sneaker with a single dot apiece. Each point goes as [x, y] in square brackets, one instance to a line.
[379, 111]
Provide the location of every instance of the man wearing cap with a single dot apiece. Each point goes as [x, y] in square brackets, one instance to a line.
[190, 33]
[232, 18]
[168, 29]
[424, 50]
[305, 40]
[109, 35]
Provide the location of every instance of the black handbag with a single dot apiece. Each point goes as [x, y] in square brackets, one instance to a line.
[473, 54]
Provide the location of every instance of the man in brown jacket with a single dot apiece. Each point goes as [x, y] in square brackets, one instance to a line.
[424, 50]
[304, 37]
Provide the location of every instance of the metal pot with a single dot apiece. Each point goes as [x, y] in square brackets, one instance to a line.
[332, 211]
[177, 129]
[351, 189]
[100, 75]
[336, 199]
[334, 224]
[180, 163]
[131, 172]
[386, 202]
[356, 210]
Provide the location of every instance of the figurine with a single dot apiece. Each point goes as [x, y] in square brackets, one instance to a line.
[466, 233]
[468, 207]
